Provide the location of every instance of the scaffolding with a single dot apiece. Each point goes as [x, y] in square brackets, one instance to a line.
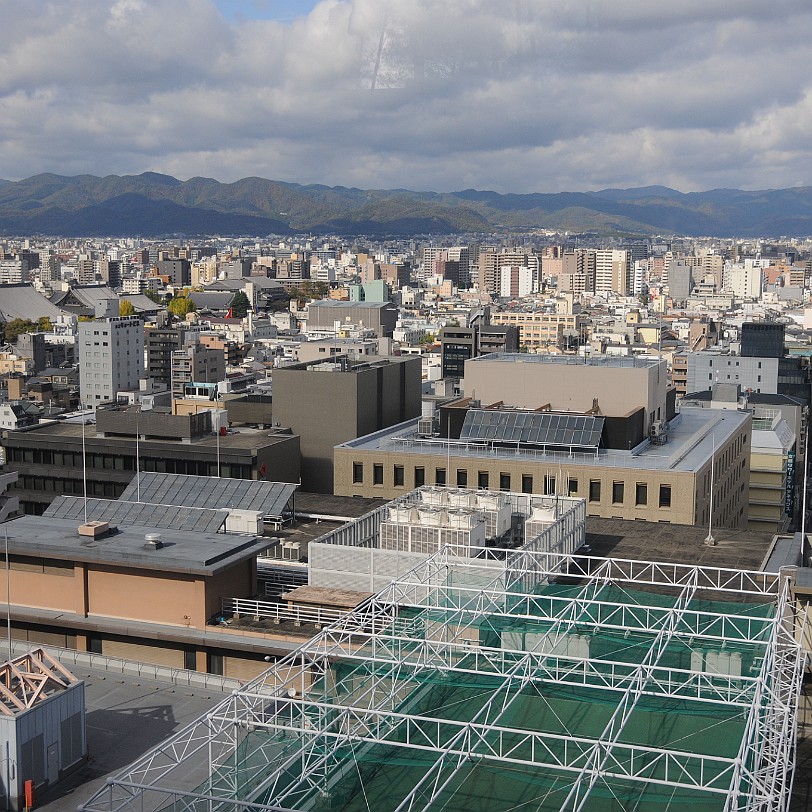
[553, 681]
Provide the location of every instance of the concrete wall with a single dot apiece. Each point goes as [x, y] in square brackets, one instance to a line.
[531, 384]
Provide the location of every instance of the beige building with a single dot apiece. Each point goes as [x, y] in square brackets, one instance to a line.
[602, 429]
[571, 383]
[540, 331]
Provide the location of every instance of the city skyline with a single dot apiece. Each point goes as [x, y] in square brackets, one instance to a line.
[530, 96]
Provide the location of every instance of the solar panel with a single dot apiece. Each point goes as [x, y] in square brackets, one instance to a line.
[270, 498]
[533, 428]
[139, 514]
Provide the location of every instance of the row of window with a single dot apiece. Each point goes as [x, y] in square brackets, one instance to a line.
[483, 482]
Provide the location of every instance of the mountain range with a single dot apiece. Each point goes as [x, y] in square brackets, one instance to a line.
[154, 205]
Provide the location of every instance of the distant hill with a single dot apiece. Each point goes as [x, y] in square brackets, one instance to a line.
[156, 205]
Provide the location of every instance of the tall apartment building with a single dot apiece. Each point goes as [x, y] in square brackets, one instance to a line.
[111, 357]
[612, 271]
[179, 271]
[196, 364]
[577, 271]
[13, 271]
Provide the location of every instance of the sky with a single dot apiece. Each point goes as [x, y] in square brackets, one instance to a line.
[443, 95]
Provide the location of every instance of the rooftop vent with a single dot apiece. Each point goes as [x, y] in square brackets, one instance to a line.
[152, 541]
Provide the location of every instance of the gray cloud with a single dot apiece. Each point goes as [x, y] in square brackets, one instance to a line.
[521, 95]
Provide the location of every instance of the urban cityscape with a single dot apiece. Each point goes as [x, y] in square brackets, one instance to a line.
[405, 407]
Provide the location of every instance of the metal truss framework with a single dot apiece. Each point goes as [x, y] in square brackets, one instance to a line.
[362, 685]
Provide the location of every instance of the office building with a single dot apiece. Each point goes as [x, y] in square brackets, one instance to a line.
[111, 357]
[604, 430]
[378, 316]
[196, 364]
[330, 402]
[49, 457]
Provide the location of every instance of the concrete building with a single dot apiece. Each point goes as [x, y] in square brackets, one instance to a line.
[460, 344]
[196, 364]
[49, 459]
[111, 357]
[604, 431]
[612, 271]
[378, 316]
[538, 331]
[709, 367]
[330, 402]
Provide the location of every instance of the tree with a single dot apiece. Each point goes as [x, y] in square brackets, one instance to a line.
[125, 308]
[154, 296]
[180, 306]
[17, 327]
[44, 324]
[239, 304]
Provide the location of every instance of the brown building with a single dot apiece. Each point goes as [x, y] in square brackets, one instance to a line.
[330, 402]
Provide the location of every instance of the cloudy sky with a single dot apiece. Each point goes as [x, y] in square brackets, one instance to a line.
[510, 95]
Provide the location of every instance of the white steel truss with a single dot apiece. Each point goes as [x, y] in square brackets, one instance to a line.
[364, 683]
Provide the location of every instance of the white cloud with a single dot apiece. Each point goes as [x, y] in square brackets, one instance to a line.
[528, 95]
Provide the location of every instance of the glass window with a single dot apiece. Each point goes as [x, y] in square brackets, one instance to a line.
[572, 486]
[527, 483]
[357, 472]
[641, 493]
[549, 485]
[504, 482]
[397, 474]
[377, 474]
[617, 493]
[594, 490]
[439, 476]
[462, 477]
[665, 496]
[482, 480]
[419, 476]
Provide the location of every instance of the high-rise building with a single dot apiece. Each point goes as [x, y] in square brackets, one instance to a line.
[612, 271]
[111, 357]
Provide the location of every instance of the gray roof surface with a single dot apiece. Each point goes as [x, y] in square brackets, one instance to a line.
[691, 436]
[211, 492]
[142, 513]
[23, 302]
[347, 305]
[211, 299]
[184, 551]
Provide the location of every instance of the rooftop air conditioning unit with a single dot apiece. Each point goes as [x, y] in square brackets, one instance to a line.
[425, 426]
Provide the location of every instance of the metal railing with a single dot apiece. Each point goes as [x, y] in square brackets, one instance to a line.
[235, 608]
[116, 665]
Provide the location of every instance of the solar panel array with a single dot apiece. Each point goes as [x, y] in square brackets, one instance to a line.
[270, 498]
[533, 428]
[137, 514]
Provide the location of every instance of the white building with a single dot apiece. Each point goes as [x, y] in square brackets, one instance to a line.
[745, 281]
[111, 357]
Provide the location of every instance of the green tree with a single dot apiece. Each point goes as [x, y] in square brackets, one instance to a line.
[239, 304]
[180, 306]
[44, 324]
[155, 297]
[125, 308]
[17, 327]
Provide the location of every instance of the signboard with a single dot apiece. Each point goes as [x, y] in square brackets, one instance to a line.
[789, 498]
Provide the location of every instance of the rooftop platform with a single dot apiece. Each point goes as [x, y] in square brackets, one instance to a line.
[692, 435]
[627, 362]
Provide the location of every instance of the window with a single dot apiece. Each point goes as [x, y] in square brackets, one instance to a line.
[462, 478]
[439, 476]
[594, 490]
[397, 475]
[190, 659]
[641, 493]
[357, 472]
[419, 477]
[572, 486]
[504, 482]
[482, 480]
[549, 485]
[527, 483]
[377, 474]
[665, 496]
[617, 493]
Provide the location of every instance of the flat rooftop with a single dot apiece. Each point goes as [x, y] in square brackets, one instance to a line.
[692, 435]
[568, 360]
[239, 439]
[184, 551]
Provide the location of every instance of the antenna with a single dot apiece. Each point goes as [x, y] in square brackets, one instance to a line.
[803, 498]
[84, 461]
[137, 455]
[709, 539]
[8, 598]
